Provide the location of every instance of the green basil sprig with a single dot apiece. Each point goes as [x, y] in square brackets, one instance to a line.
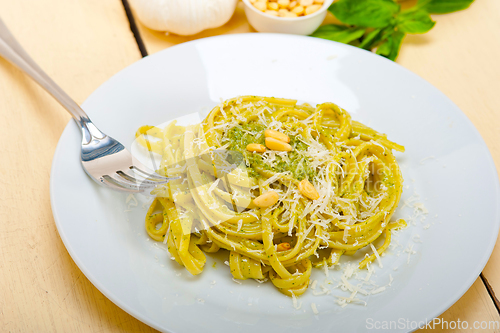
[381, 25]
[444, 6]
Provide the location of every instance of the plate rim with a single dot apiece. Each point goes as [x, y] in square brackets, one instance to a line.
[148, 321]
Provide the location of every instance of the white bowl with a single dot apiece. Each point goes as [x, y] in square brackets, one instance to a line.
[303, 25]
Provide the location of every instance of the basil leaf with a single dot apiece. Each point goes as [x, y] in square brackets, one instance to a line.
[355, 43]
[371, 39]
[390, 47]
[414, 21]
[443, 6]
[339, 33]
[397, 39]
[385, 48]
[365, 13]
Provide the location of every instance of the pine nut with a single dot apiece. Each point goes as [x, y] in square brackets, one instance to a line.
[288, 8]
[260, 5]
[274, 144]
[312, 9]
[273, 6]
[256, 147]
[283, 247]
[271, 12]
[269, 133]
[283, 3]
[298, 10]
[307, 189]
[282, 12]
[266, 200]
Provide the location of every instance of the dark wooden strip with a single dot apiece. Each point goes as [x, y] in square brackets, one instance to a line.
[135, 30]
[491, 292]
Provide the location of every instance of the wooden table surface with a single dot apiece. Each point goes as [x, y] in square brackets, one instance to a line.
[82, 43]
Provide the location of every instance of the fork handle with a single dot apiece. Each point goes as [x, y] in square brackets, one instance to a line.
[12, 51]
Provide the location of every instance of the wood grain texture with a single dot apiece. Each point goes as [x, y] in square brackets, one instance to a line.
[80, 44]
[474, 306]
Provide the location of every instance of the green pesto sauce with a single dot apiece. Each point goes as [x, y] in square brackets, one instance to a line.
[241, 136]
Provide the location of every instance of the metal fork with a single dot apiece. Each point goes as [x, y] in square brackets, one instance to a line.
[104, 159]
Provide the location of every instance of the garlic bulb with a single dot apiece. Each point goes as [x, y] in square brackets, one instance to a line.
[183, 17]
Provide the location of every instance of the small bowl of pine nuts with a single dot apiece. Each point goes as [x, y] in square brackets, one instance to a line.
[299, 17]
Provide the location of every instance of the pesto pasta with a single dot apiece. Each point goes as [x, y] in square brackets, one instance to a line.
[314, 185]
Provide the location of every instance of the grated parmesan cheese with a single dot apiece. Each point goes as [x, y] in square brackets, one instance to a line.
[426, 159]
[296, 304]
[378, 290]
[213, 186]
[314, 308]
[376, 255]
[410, 252]
[313, 285]
[131, 201]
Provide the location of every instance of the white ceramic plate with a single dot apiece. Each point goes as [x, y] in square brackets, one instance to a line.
[446, 163]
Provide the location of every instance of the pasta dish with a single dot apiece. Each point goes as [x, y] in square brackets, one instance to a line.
[298, 187]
